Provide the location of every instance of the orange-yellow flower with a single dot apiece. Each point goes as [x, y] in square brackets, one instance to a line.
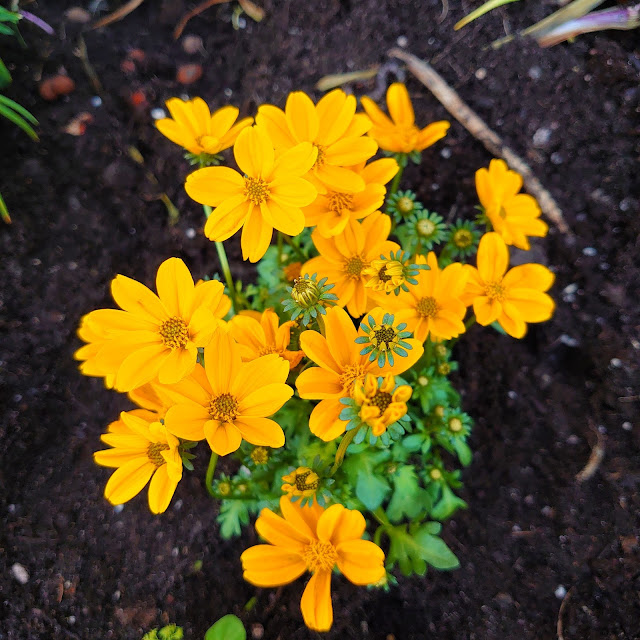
[312, 539]
[269, 195]
[227, 399]
[399, 134]
[331, 211]
[514, 297]
[301, 482]
[152, 336]
[332, 126]
[344, 258]
[260, 334]
[381, 402]
[433, 307]
[340, 367]
[513, 215]
[193, 127]
[146, 450]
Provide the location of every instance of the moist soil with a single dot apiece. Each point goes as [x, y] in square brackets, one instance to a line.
[542, 555]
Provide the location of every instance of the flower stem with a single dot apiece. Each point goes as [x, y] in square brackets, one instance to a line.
[279, 248]
[396, 179]
[211, 469]
[342, 449]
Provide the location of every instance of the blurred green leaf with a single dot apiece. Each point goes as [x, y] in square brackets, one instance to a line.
[228, 628]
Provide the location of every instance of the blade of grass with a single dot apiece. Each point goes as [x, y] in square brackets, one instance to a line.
[5, 76]
[338, 79]
[12, 104]
[19, 121]
[490, 5]
[4, 212]
[118, 14]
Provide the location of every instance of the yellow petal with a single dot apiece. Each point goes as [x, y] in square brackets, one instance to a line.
[350, 151]
[533, 306]
[295, 162]
[378, 117]
[317, 383]
[341, 335]
[140, 367]
[223, 438]
[274, 121]
[282, 533]
[256, 236]
[128, 480]
[361, 561]
[202, 326]
[161, 490]
[315, 604]
[222, 361]
[288, 219]
[486, 310]
[399, 105]
[493, 257]
[335, 111]
[118, 457]
[301, 116]
[187, 421]
[175, 286]
[267, 566]
[529, 276]
[316, 348]
[325, 422]
[222, 120]
[227, 218]
[380, 171]
[214, 185]
[258, 373]
[178, 364]
[304, 519]
[260, 431]
[265, 401]
[134, 297]
[339, 178]
[431, 134]
[254, 153]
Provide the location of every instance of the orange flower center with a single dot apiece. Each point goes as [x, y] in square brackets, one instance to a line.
[174, 333]
[383, 276]
[354, 266]
[381, 399]
[265, 350]
[223, 407]
[495, 291]
[384, 337]
[301, 481]
[320, 556]
[350, 374]
[256, 190]
[339, 201]
[427, 307]
[154, 453]
[455, 425]
[322, 151]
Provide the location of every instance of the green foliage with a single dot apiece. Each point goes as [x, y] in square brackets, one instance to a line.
[227, 628]
[234, 514]
[408, 498]
[363, 471]
[170, 632]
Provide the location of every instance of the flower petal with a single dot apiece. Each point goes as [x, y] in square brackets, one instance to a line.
[493, 257]
[214, 185]
[254, 153]
[315, 604]
[139, 300]
[361, 561]
[161, 490]
[399, 105]
[256, 236]
[281, 532]
[267, 566]
[266, 400]
[227, 218]
[187, 421]
[140, 367]
[260, 431]
[129, 480]
[325, 422]
[175, 286]
[317, 383]
[223, 438]
[316, 348]
[301, 116]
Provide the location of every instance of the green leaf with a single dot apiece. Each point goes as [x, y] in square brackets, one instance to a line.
[4, 212]
[448, 504]
[5, 76]
[408, 497]
[435, 551]
[18, 120]
[233, 514]
[413, 442]
[227, 628]
[480, 11]
[371, 487]
[464, 452]
[496, 325]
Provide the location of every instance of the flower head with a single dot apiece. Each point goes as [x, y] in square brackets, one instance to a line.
[462, 239]
[309, 297]
[422, 231]
[260, 456]
[152, 336]
[302, 482]
[195, 128]
[269, 195]
[513, 215]
[384, 339]
[402, 204]
[334, 129]
[312, 539]
[228, 400]
[512, 298]
[393, 273]
[399, 134]
[146, 452]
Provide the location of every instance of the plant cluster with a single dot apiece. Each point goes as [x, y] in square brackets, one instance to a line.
[326, 385]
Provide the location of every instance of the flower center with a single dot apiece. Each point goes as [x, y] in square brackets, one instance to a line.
[256, 190]
[322, 151]
[455, 425]
[174, 333]
[427, 307]
[339, 201]
[223, 407]
[382, 400]
[495, 291]
[463, 238]
[301, 481]
[384, 337]
[405, 205]
[426, 228]
[351, 373]
[269, 349]
[354, 266]
[260, 455]
[305, 292]
[154, 453]
[320, 556]
[383, 276]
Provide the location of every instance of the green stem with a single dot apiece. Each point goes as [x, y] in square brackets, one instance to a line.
[211, 469]
[321, 326]
[396, 179]
[279, 248]
[342, 449]
[381, 516]
[295, 248]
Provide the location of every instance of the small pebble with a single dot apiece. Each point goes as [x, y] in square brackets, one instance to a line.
[402, 41]
[446, 152]
[228, 93]
[616, 363]
[96, 101]
[192, 44]
[481, 73]
[560, 592]
[547, 511]
[590, 251]
[535, 73]
[55, 87]
[627, 426]
[20, 573]
[119, 508]
[257, 631]
[77, 14]
[573, 439]
[190, 233]
[541, 137]
[71, 619]
[512, 395]
[157, 113]
[175, 552]
[568, 341]
[189, 73]
[556, 158]
[178, 505]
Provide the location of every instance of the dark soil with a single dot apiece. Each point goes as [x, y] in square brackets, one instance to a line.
[83, 211]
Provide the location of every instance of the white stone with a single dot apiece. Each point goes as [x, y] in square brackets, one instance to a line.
[20, 573]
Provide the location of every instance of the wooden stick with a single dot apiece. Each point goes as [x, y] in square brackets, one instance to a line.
[452, 102]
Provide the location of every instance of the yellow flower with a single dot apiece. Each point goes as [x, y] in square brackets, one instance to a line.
[331, 211]
[385, 275]
[193, 127]
[332, 126]
[258, 335]
[513, 215]
[260, 456]
[432, 308]
[513, 297]
[146, 451]
[341, 366]
[316, 540]
[152, 335]
[96, 336]
[301, 482]
[344, 259]
[381, 403]
[269, 195]
[399, 134]
[228, 399]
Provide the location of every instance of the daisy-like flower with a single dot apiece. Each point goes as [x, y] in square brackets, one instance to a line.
[433, 308]
[394, 273]
[196, 129]
[402, 204]
[269, 195]
[344, 259]
[341, 364]
[228, 400]
[333, 127]
[399, 134]
[513, 215]
[512, 298]
[383, 339]
[302, 482]
[260, 334]
[312, 539]
[462, 239]
[153, 336]
[422, 231]
[330, 212]
[146, 452]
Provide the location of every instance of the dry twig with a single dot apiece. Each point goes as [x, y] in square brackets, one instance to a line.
[452, 102]
[83, 54]
[595, 459]
[118, 14]
[563, 604]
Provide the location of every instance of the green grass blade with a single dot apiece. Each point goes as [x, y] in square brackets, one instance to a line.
[5, 76]
[4, 212]
[12, 104]
[19, 121]
[490, 5]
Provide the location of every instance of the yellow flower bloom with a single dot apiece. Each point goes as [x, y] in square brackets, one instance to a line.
[228, 399]
[513, 297]
[399, 134]
[344, 259]
[154, 403]
[381, 403]
[385, 275]
[316, 540]
[152, 335]
[260, 455]
[432, 308]
[331, 211]
[261, 335]
[269, 195]
[146, 452]
[301, 482]
[341, 366]
[513, 215]
[195, 128]
[332, 126]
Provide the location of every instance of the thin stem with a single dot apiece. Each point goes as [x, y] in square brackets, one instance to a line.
[396, 179]
[321, 326]
[381, 516]
[211, 469]
[342, 449]
[279, 248]
[295, 248]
